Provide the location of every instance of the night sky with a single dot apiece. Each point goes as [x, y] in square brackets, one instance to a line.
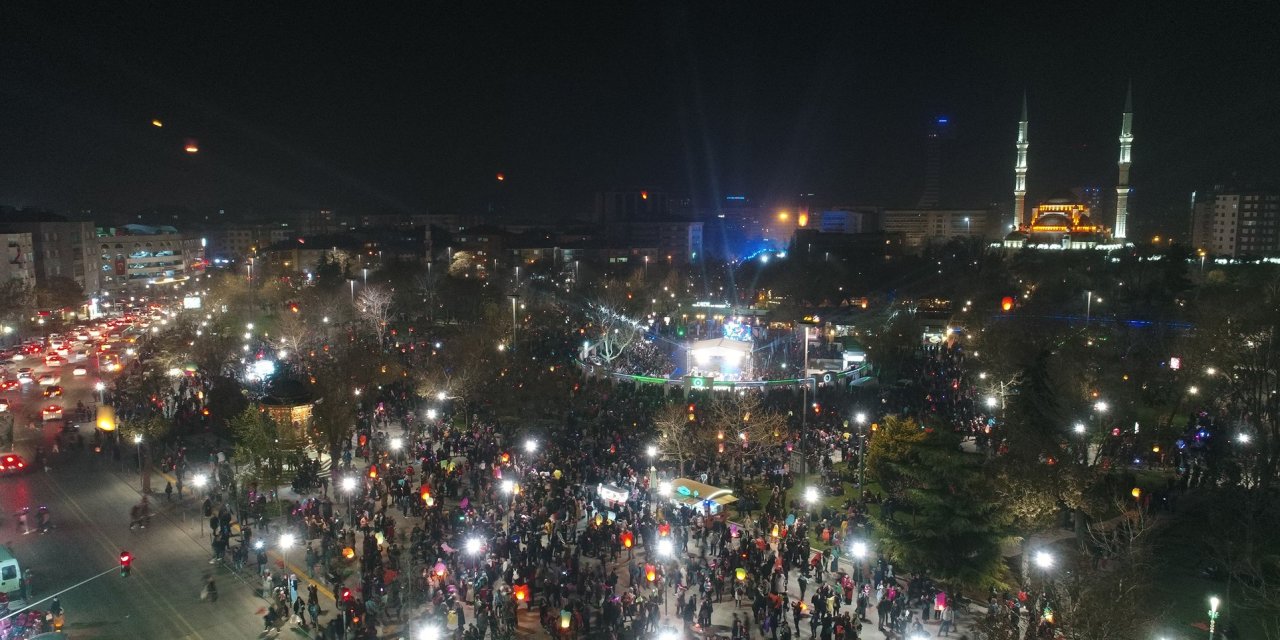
[418, 106]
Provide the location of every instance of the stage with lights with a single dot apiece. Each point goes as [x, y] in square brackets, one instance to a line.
[726, 358]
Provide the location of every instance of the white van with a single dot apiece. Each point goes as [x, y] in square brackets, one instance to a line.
[10, 575]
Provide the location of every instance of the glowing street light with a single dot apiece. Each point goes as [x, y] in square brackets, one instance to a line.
[1044, 559]
[429, 632]
[432, 414]
[1079, 428]
[397, 444]
[664, 488]
[652, 451]
[474, 545]
[665, 547]
[1100, 406]
[811, 494]
[531, 446]
[1244, 438]
[442, 396]
[992, 402]
[859, 549]
[349, 484]
[508, 486]
[1214, 602]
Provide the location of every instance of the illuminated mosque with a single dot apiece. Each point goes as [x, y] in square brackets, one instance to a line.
[1064, 221]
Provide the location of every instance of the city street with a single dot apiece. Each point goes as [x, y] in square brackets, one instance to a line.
[88, 496]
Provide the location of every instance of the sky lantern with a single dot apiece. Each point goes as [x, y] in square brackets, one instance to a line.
[740, 573]
[650, 572]
[373, 471]
[627, 539]
[566, 619]
[521, 592]
[664, 529]
[348, 553]
[439, 569]
[1006, 303]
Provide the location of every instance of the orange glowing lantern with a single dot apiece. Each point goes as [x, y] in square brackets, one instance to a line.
[348, 553]
[373, 471]
[627, 539]
[650, 573]
[521, 592]
[1006, 303]
[664, 529]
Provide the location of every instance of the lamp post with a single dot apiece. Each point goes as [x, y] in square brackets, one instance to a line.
[286, 541]
[137, 441]
[1213, 615]
[861, 419]
[514, 299]
[349, 487]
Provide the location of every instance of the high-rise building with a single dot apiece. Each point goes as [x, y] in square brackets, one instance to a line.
[921, 227]
[1245, 223]
[1202, 208]
[135, 257]
[61, 248]
[17, 263]
[630, 205]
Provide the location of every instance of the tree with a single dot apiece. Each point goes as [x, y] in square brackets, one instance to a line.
[262, 445]
[1104, 592]
[19, 302]
[374, 308]
[60, 292]
[146, 432]
[677, 433]
[613, 331]
[746, 426]
[943, 518]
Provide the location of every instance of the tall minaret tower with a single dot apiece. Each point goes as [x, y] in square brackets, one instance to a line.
[1020, 170]
[1122, 186]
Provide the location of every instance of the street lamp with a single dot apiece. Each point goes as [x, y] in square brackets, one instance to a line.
[992, 402]
[286, 541]
[432, 414]
[1044, 560]
[1213, 614]
[860, 419]
[531, 446]
[137, 441]
[474, 545]
[1243, 438]
[429, 632]
[811, 495]
[652, 451]
[442, 396]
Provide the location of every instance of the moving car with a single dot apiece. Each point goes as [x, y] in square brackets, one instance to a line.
[53, 360]
[48, 379]
[26, 374]
[79, 370]
[51, 412]
[53, 391]
[12, 463]
[4, 404]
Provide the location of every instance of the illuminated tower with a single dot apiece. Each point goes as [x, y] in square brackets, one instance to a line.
[1020, 169]
[1122, 186]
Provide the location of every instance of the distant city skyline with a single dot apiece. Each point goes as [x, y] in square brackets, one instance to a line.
[406, 112]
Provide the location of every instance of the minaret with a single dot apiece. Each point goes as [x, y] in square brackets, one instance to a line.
[1122, 186]
[1020, 169]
